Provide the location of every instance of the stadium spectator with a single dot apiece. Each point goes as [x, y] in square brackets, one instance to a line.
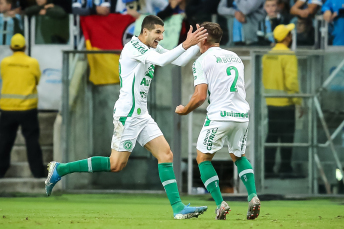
[91, 7]
[18, 103]
[247, 14]
[176, 7]
[197, 12]
[19, 5]
[280, 78]
[46, 7]
[10, 22]
[283, 7]
[305, 32]
[52, 22]
[333, 11]
[137, 7]
[200, 11]
[65, 4]
[173, 7]
[266, 26]
[301, 10]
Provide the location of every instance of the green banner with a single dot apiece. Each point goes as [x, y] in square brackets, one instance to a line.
[172, 27]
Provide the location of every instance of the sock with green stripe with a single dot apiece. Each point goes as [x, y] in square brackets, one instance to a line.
[211, 181]
[169, 182]
[245, 172]
[91, 164]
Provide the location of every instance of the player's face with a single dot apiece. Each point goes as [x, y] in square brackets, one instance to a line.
[155, 36]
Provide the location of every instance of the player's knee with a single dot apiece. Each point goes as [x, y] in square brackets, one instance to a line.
[166, 156]
[199, 159]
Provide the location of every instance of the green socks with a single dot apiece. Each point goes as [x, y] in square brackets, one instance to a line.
[245, 172]
[211, 181]
[91, 164]
[169, 182]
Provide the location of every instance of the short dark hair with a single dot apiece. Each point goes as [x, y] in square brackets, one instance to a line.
[150, 21]
[214, 32]
[19, 49]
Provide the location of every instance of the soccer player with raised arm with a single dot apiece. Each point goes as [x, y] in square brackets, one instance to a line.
[220, 73]
[131, 119]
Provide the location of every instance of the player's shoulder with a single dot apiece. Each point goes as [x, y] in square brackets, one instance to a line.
[135, 48]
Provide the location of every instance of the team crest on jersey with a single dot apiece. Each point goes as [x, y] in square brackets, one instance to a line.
[128, 145]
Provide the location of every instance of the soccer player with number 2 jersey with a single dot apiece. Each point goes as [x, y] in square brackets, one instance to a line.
[219, 74]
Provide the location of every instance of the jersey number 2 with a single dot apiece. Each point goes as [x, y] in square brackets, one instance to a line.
[233, 86]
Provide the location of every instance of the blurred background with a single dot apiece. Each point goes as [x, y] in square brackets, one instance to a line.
[77, 44]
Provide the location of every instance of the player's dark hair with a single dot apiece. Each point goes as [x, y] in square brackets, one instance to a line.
[214, 32]
[150, 21]
[9, 1]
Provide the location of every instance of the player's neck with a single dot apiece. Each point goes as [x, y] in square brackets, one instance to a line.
[210, 46]
[142, 39]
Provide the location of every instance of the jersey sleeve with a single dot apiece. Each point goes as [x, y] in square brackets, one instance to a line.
[142, 57]
[160, 49]
[198, 73]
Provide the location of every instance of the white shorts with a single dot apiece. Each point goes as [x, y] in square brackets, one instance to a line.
[216, 133]
[142, 129]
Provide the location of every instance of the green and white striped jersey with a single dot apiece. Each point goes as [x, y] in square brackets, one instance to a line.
[223, 72]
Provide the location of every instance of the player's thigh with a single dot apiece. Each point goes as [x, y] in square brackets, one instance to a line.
[236, 139]
[160, 149]
[154, 141]
[211, 137]
[118, 160]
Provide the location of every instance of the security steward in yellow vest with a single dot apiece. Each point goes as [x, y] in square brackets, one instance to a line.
[280, 78]
[20, 75]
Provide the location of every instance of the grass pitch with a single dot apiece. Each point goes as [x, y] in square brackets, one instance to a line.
[153, 211]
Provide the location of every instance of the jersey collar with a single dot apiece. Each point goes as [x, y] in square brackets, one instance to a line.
[135, 38]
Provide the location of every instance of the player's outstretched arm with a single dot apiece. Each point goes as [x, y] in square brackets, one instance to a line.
[183, 59]
[197, 99]
[168, 57]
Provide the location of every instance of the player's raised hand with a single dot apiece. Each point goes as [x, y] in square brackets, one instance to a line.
[194, 37]
[180, 110]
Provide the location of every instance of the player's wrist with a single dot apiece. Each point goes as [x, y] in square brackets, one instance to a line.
[186, 45]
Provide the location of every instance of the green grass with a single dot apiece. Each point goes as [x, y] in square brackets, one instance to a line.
[153, 211]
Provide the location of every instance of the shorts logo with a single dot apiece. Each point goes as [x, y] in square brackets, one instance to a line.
[128, 145]
[209, 138]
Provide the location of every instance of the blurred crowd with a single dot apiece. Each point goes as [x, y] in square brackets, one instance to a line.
[245, 22]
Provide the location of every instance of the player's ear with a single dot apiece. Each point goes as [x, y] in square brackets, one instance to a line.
[145, 31]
